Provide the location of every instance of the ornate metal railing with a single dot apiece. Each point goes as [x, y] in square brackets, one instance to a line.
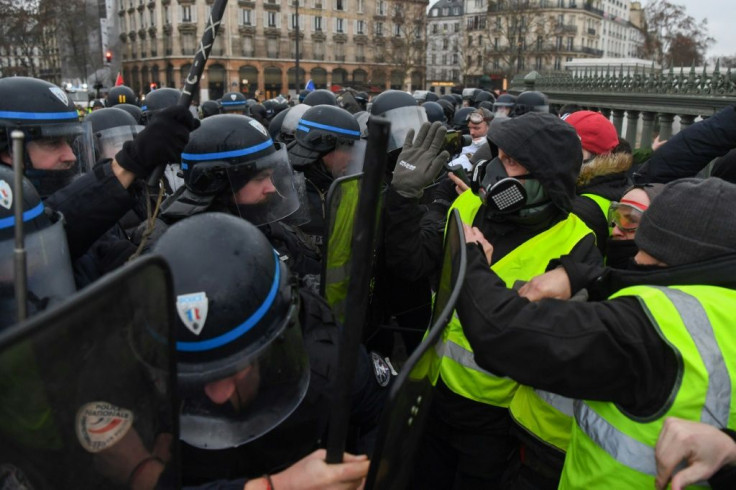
[646, 97]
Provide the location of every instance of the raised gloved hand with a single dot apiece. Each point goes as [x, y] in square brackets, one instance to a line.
[161, 142]
[420, 161]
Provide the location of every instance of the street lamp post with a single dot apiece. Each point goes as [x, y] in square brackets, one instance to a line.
[296, 75]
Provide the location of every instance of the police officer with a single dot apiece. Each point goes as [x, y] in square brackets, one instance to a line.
[402, 110]
[256, 355]
[233, 102]
[538, 156]
[530, 101]
[327, 146]
[120, 94]
[94, 202]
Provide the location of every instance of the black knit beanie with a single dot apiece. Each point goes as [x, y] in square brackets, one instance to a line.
[689, 221]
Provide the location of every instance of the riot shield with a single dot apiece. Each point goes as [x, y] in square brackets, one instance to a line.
[407, 407]
[342, 201]
[87, 388]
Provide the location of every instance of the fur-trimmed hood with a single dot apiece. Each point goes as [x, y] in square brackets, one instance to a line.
[602, 165]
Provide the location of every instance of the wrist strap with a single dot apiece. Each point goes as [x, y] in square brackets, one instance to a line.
[141, 464]
[269, 482]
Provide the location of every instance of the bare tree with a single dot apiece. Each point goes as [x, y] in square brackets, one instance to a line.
[401, 41]
[517, 29]
[671, 36]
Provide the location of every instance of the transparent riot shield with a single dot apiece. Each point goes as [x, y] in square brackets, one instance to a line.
[87, 388]
[407, 407]
[342, 202]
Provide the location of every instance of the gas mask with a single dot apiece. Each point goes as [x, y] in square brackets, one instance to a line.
[502, 194]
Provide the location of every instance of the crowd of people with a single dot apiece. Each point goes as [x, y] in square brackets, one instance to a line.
[590, 346]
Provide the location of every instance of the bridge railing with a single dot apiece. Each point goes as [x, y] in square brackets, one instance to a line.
[649, 100]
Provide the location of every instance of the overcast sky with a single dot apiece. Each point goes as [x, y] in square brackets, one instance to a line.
[721, 17]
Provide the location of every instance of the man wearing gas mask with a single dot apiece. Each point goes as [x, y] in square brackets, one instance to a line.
[520, 201]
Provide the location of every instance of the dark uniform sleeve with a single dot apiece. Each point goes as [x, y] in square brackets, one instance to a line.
[91, 205]
[725, 478]
[598, 351]
[413, 236]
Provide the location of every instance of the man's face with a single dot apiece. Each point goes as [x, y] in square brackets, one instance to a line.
[337, 161]
[477, 130]
[503, 111]
[257, 190]
[239, 389]
[512, 167]
[51, 154]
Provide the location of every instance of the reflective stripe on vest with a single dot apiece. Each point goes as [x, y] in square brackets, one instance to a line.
[628, 445]
[455, 360]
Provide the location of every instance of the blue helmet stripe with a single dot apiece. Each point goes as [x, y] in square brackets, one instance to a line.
[203, 157]
[302, 128]
[27, 216]
[143, 108]
[39, 116]
[237, 102]
[244, 327]
[329, 128]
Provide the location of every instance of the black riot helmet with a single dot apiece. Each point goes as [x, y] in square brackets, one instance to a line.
[120, 94]
[530, 101]
[241, 364]
[233, 102]
[404, 113]
[111, 128]
[209, 108]
[460, 120]
[482, 96]
[320, 97]
[229, 155]
[469, 94]
[133, 110]
[48, 264]
[434, 112]
[58, 146]
[291, 121]
[274, 126]
[432, 97]
[448, 108]
[323, 129]
[362, 99]
[160, 99]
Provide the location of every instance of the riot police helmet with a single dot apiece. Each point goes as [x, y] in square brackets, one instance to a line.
[232, 158]
[120, 94]
[209, 108]
[460, 120]
[402, 110]
[160, 99]
[274, 126]
[291, 121]
[434, 112]
[111, 128]
[48, 265]
[233, 102]
[133, 110]
[58, 147]
[530, 101]
[448, 108]
[241, 365]
[482, 96]
[323, 130]
[504, 105]
[320, 97]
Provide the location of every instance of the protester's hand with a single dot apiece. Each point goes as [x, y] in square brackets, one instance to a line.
[657, 143]
[161, 142]
[553, 284]
[420, 161]
[312, 473]
[704, 448]
[460, 186]
[474, 235]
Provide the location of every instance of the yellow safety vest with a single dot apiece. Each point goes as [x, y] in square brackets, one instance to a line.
[610, 449]
[454, 359]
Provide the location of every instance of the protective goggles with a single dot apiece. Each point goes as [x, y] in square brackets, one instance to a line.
[476, 118]
[626, 214]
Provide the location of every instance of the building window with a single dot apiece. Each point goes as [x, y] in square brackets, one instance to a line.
[248, 46]
[457, 26]
[152, 17]
[570, 41]
[434, 28]
[187, 43]
[271, 17]
[340, 4]
[360, 52]
[246, 17]
[359, 26]
[272, 47]
[360, 6]
[318, 23]
[379, 29]
[167, 15]
[339, 25]
[339, 51]
[319, 50]
[538, 63]
[186, 13]
[295, 21]
[381, 7]
[397, 30]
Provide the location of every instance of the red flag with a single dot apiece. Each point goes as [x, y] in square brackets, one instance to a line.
[119, 80]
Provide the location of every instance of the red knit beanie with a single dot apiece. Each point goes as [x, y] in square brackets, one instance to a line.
[597, 133]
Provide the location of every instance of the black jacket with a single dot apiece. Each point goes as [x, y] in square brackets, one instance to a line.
[687, 152]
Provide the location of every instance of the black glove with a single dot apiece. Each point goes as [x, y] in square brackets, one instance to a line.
[161, 142]
[420, 160]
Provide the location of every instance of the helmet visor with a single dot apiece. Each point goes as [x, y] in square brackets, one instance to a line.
[349, 157]
[49, 269]
[258, 396]
[267, 193]
[49, 145]
[110, 141]
[402, 120]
